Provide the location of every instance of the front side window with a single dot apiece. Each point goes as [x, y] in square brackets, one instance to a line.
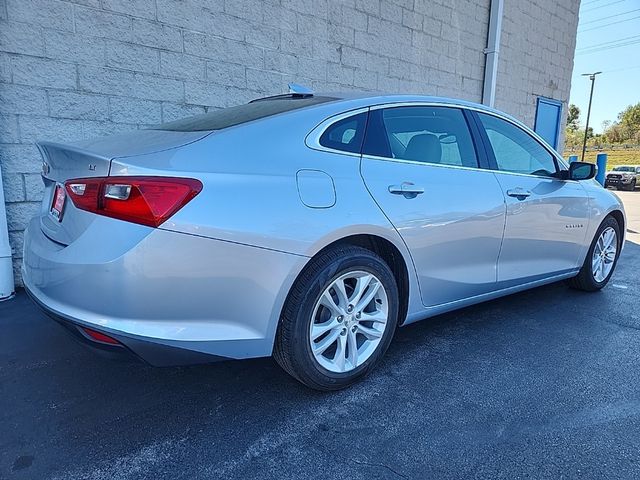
[515, 150]
[434, 135]
[345, 135]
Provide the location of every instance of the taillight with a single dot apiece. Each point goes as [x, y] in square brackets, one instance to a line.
[145, 200]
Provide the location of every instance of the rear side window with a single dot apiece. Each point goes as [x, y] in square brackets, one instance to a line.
[345, 135]
[434, 135]
[228, 117]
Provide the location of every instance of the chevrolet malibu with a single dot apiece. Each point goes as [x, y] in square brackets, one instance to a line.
[307, 227]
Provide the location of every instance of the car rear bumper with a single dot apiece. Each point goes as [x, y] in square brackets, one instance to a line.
[170, 298]
[128, 349]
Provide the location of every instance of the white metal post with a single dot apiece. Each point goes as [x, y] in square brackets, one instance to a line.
[7, 286]
[491, 53]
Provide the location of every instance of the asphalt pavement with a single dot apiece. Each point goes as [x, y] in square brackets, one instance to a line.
[542, 384]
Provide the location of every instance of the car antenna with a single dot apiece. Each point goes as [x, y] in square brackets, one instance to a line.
[295, 91]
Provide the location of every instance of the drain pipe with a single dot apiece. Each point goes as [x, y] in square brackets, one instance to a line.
[491, 53]
[7, 287]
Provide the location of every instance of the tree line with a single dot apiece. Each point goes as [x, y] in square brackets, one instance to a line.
[624, 131]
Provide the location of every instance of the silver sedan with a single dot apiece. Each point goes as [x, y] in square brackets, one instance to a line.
[307, 227]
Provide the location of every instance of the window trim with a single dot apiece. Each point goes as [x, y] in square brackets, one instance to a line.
[478, 150]
[313, 137]
[312, 140]
[352, 118]
[492, 155]
[493, 164]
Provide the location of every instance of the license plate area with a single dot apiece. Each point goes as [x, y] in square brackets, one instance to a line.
[58, 202]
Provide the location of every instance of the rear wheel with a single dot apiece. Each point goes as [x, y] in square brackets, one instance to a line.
[339, 319]
[601, 258]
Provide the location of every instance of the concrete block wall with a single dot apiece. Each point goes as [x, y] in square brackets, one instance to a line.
[536, 56]
[73, 69]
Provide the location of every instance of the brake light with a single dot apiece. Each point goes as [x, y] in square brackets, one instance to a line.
[144, 200]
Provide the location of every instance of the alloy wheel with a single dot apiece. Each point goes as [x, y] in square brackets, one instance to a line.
[604, 254]
[349, 320]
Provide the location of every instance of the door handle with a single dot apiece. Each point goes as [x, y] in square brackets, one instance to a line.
[408, 189]
[519, 193]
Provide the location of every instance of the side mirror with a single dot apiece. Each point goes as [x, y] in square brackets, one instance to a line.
[581, 171]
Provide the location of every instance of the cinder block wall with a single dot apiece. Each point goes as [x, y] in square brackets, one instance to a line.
[73, 69]
[536, 55]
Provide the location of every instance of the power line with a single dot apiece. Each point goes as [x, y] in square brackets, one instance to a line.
[608, 24]
[623, 69]
[603, 44]
[603, 6]
[590, 2]
[609, 47]
[609, 16]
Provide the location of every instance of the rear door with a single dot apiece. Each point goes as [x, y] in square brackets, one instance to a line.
[421, 167]
[547, 217]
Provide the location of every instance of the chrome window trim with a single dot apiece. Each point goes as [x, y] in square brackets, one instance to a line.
[426, 164]
[493, 113]
[312, 140]
[560, 161]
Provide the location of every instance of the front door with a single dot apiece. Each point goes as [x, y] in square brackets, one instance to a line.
[421, 167]
[547, 218]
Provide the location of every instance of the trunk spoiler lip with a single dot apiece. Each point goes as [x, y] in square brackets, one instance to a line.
[44, 144]
[43, 147]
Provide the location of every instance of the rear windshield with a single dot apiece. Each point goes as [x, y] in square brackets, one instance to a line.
[228, 117]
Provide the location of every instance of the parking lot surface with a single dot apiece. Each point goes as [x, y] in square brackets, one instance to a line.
[542, 384]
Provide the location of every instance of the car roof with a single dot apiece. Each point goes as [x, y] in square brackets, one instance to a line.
[362, 99]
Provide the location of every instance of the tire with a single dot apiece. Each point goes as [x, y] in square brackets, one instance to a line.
[306, 305]
[632, 185]
[586, 279]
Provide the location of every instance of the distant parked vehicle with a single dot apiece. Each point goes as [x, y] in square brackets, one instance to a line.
[623, 177]
[308, 227]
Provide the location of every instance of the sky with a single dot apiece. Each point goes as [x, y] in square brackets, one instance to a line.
[608, 41]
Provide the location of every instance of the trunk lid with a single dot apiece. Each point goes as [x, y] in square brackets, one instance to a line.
[92, 158]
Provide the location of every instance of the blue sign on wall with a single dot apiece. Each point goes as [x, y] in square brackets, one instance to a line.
[547, 124]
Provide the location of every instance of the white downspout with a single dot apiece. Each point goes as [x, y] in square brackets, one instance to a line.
[7, 287]
[491, 52]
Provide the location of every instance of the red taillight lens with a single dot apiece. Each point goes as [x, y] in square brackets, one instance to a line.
[100, 337]
[145, 200]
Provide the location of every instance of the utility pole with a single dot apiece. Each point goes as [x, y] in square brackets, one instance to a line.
[592, 77]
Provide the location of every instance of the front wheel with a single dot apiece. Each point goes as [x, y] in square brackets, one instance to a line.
[601, 258]
[339, 318]
[632, 185]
